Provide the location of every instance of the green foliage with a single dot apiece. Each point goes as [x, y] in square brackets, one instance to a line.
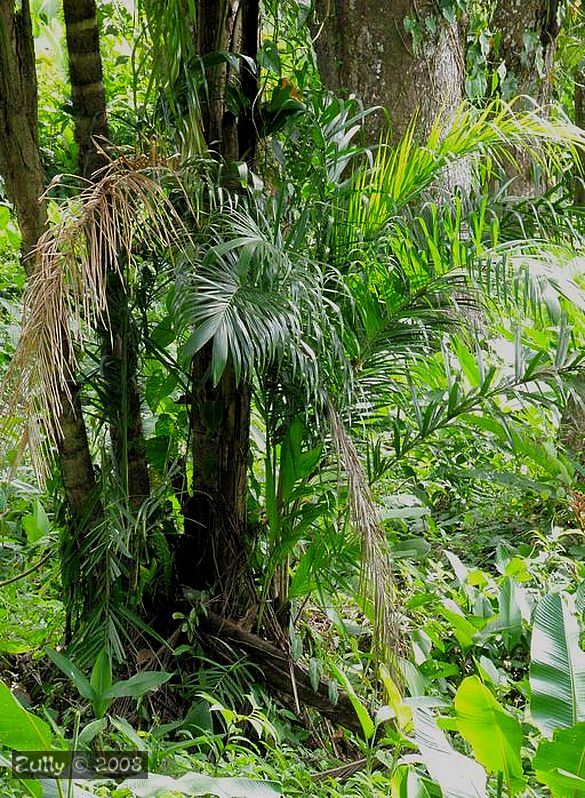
[445, 334]
[557, 668]
[559, 764]
[494, 735]
[20, 729]
[100, 689]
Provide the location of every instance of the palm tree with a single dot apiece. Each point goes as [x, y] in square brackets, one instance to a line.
[301, 310]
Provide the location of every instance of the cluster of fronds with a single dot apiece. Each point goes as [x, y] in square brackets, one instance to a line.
[124, 210]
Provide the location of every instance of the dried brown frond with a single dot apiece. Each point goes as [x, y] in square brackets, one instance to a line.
[126, 208]
[376, 576]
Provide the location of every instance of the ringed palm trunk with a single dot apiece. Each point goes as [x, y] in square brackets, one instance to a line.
[119, 349]
[580, 120]
[215, 552]
[20, 166]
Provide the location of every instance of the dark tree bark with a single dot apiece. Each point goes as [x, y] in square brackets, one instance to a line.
[20, 166]
[19, 148]
[87, 88]
[526, 34]
[525, 42]
[580, 121]
[119, 345]
[364, 48]
[214, 551]
[277, 670]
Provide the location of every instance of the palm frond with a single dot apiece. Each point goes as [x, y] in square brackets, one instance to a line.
[126, 209]
[400, 175]
[259, 300]
[376, 575]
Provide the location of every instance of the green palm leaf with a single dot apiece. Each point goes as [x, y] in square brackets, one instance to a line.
[560, 764]
[200, 784]
[557, 668]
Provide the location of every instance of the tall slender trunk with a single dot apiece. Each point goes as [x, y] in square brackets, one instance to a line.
[215, 519]
[20, 166]
[119, 348]
[363, 48]
[580, 121]
[572, 431]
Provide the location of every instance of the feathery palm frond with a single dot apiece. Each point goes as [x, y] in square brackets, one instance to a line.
[259, 299]
[376, 573]
[400, 175]
[125, 209]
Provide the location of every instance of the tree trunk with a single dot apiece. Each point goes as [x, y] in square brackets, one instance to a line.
[580, 121]
[525, 44]
[215, 518]
[20, 166]
[119, 345]
[19, 148]
[277, 670]
[526, 34]
[214, 549]
[363, 48]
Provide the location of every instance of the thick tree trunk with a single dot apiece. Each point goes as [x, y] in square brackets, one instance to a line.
[19, 149]
[21, 170]
[119, 346]
[526, 34]
[214, 551]
[215, 518]
[363, 48]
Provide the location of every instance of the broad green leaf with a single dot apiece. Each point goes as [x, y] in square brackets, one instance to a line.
[407, 783]
[37, 524]
[129, 733]
[32, 787]
[50, 789]
[494, 735]
[137, 685]
[20, 729]
[460, 569]
[70, 670]
[560, 764]
[458, 775]
[508, 621]
[315, 673]
[366, 722]
[402, 711]
[557, 666]
[13, 647]
[290, 458]
[90, 731]
[101, 681]
[464, 631]
[199, 784]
